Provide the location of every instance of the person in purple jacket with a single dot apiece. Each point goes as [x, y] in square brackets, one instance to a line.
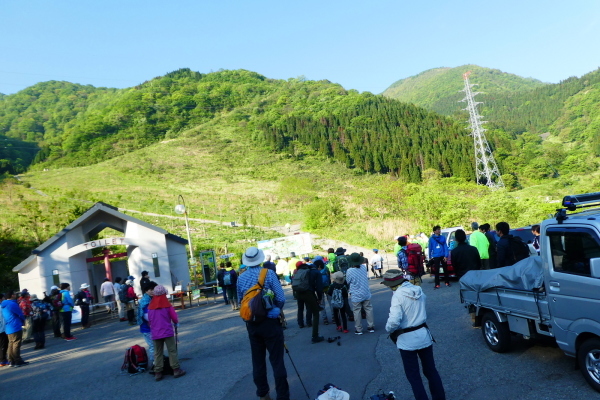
[160, 315]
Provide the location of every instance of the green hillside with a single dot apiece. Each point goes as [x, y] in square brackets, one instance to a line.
[438, 89]
[80, 125]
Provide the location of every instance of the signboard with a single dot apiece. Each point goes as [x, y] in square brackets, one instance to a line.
[283, 246]
[227, 255]
[209, 266]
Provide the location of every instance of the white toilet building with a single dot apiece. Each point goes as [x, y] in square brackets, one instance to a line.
[64, 257]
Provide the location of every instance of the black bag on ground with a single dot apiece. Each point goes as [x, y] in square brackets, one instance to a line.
[167, 369]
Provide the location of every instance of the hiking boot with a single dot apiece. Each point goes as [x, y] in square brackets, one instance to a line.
[21, 364]
[318, 339]
[358, 333]
[346, 331]
[178, 373]
[158, 376]
[371, 329]
[266, 397]
[436, 287]
[339, 329]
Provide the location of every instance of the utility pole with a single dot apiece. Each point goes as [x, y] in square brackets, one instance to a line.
[486, 169]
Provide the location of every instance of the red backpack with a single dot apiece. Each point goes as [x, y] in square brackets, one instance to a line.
[136, 360]
[414, 254]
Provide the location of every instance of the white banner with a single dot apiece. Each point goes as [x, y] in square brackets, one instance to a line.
[283, 246]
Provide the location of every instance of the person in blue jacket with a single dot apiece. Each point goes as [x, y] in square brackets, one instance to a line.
[438, 253]
[67, 310]
[13, 321]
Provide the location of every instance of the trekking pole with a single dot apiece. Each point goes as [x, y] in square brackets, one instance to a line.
[288, 353]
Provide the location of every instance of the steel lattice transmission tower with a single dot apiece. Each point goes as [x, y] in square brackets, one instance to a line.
[486, 169]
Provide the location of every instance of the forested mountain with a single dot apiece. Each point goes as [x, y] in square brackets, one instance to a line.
[438, 89]
[81, 125]
[77, 125]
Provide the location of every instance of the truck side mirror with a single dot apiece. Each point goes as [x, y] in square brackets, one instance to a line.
[595, 267]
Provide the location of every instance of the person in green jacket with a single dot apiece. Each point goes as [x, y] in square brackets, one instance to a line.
[478, 240]
[331, 259]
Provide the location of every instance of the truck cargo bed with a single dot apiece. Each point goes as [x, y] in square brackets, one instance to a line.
[524, 303]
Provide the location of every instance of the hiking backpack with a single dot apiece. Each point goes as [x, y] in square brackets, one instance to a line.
[136, 360]
[301, 280]
[415, 259]
[123, 294]
[57, 303]
[252, 306]
[227, 278]
[518, 248]
[337, 298]
[341, 264]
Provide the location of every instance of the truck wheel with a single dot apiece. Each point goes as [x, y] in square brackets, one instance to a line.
[588, 357]
[495, 333]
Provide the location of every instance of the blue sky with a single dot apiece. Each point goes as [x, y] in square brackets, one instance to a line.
[361, 45]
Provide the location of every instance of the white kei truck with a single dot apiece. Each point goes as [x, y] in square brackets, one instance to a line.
[555, 295]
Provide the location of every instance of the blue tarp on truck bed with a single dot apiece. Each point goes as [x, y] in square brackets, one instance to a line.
[527, 274]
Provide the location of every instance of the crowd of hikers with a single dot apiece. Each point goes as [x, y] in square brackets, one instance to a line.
[329, 289]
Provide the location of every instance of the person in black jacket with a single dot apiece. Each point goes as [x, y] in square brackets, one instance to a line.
[144, 281]
[491, 237]
[464, 256]
[312, 298]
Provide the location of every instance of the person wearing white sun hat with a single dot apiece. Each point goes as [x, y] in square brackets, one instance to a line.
[268, 333]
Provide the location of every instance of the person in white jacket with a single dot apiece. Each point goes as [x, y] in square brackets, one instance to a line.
[408, 319]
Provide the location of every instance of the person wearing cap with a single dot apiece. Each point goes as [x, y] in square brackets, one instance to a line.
[407, 312]
[25, 305]
[360, 294]
[339, 314]
[56, 323]
[162, 316]
[268, 333]
[66, 312]
[107, 291]
[376, 263]
[311, 298]
[130, 298]
[83, 299]
[40, 314]
[143, 322]
[13, 326]
[326, 281]
[145, 279]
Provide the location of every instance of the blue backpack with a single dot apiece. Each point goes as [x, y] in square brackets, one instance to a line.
[325, 277]
[227, 278]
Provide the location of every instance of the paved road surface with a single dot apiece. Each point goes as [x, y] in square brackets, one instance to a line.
[216, 355]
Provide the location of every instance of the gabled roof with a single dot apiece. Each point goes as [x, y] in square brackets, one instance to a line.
[108, 209]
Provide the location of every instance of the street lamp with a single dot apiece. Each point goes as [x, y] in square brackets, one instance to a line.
[181, 209]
